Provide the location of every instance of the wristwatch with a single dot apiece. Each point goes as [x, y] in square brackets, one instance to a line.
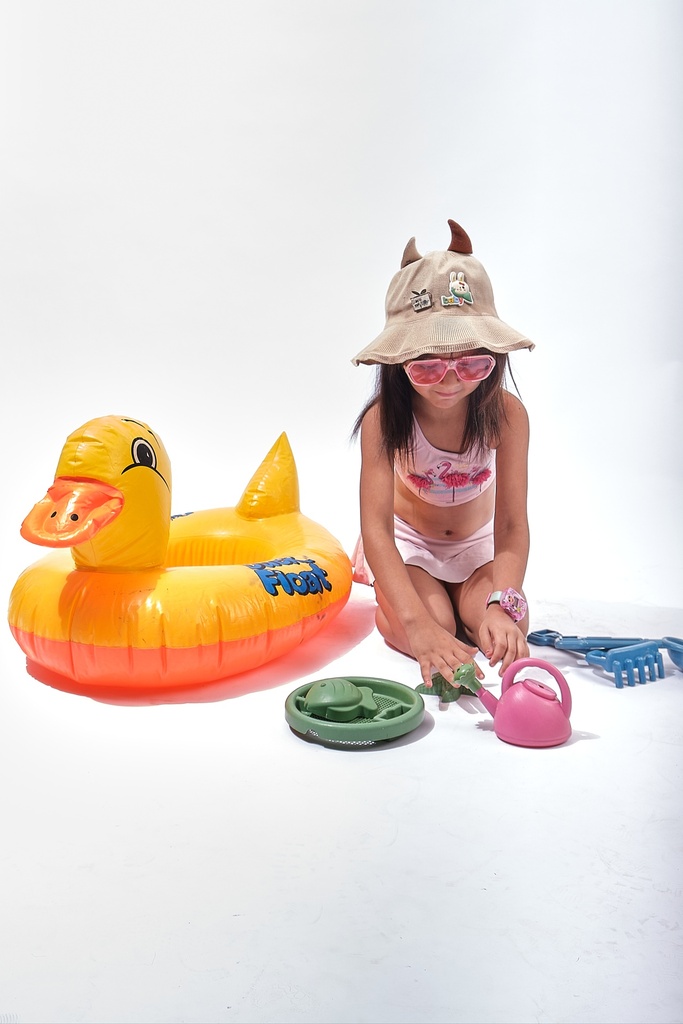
[511, 601]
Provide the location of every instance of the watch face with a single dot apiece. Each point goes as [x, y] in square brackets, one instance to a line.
[513, 603]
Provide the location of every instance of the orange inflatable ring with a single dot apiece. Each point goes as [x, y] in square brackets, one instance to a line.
[142, 600]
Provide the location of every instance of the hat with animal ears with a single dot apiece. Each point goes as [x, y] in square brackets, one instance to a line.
[440, 303]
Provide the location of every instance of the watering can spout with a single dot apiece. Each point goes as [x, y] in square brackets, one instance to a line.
[488, 700]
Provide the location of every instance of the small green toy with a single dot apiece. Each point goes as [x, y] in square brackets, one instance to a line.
[340, 700]
[464, 682]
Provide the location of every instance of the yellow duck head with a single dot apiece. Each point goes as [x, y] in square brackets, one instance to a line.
[113, 472]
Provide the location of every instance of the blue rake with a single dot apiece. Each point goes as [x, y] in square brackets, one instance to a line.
[623, 656]
[643, 659]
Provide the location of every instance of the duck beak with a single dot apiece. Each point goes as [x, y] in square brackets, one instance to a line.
[71, 512]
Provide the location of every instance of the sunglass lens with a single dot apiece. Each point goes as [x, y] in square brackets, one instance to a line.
[475, 367]
[427, 371]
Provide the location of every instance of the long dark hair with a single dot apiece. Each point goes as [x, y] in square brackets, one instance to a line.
[393, 395]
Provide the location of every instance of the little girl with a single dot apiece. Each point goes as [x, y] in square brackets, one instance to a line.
[444, 532]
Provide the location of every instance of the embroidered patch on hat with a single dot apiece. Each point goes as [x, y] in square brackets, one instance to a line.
[459, 291]
[421, 300]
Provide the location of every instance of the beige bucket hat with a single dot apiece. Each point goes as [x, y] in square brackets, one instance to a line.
[441, 302]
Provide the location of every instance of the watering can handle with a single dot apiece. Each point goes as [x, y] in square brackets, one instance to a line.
[517, 666]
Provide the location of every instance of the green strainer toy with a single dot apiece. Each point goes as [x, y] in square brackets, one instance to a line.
[353, 710]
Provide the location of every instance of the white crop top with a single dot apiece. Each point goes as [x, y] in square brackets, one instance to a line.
[445, 478]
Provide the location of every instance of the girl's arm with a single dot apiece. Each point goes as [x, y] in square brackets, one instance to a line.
[431, 645]
[502, 639]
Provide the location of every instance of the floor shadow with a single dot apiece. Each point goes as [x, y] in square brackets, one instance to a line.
[577, 736]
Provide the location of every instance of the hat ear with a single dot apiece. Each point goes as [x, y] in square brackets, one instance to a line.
[410, 254]
[460, 240]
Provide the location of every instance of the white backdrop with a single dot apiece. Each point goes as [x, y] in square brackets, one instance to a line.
[203, 204]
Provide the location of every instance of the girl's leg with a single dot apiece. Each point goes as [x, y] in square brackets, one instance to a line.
[469, 598]
[435, 598]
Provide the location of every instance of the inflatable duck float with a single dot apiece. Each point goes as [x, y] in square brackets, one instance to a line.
[138, 600]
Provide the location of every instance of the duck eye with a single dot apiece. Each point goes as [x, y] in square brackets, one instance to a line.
[143, 454]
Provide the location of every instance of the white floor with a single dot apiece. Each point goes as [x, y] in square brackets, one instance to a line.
[198, 862]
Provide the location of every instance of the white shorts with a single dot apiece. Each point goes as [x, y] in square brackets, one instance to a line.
[451, 561]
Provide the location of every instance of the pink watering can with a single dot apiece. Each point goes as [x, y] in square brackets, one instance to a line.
[528, 713]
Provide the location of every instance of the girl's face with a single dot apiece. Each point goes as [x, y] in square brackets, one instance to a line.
[451, 390]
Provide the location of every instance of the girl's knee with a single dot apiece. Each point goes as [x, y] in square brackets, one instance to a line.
[441, 609]
[395, 637]
[382, 622]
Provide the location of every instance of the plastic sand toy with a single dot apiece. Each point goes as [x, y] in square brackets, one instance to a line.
[353, 710]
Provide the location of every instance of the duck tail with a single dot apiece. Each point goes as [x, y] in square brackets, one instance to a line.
[274, 488]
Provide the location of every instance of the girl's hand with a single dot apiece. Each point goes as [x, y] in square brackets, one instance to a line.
[501, 638]
[435, 649]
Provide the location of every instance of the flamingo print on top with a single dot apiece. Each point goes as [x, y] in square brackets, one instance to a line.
[445, 478]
